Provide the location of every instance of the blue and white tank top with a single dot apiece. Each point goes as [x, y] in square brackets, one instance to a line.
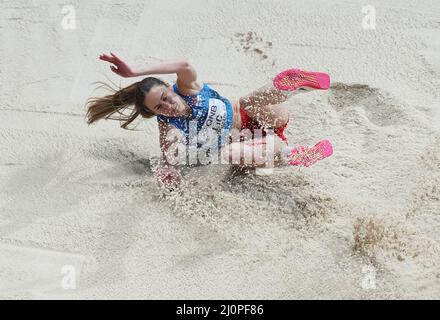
[210, 121]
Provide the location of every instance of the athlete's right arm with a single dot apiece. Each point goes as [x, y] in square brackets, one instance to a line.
[170, 140]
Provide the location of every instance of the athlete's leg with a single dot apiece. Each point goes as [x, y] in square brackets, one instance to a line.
[263, 152]
[266, 95]
[263, 104]
[271, 151]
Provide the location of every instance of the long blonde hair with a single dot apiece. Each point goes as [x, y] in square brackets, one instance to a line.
[121, 100]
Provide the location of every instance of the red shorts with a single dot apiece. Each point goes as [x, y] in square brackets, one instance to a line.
[251, 124]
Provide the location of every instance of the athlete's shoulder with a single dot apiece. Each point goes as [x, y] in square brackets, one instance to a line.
[189, 89]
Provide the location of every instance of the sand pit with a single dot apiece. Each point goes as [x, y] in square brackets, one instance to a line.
[363, 224]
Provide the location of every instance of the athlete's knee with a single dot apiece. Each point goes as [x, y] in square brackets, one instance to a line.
[246, 102]
[281, 117]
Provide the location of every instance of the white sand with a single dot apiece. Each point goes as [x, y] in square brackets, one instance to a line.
[363, 224]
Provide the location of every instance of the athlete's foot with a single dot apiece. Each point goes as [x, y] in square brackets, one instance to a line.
[307, 156]
[296, 79]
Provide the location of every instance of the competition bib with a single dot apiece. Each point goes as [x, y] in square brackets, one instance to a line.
[214, 123]
[216, 117]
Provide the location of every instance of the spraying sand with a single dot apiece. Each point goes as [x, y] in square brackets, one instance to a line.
[81, 215]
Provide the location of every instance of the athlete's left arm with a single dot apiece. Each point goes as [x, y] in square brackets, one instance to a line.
[186, 73]
[187, 78]
[178, 66]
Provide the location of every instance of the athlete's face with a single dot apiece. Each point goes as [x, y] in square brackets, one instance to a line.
[162, 100]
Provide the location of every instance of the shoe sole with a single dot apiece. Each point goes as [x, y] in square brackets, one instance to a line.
[319, 151]
[293, 79]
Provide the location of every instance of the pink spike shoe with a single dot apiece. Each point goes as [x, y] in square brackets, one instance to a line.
[306, 156]
[293, 79]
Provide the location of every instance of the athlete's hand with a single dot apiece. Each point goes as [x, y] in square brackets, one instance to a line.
[119, 67]
[168, 177]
